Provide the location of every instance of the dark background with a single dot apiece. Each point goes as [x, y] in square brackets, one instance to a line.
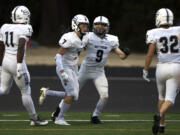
[129, 19]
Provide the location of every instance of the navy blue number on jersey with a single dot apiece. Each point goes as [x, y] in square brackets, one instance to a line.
[9, 35]
[99, 55]
[173, 43]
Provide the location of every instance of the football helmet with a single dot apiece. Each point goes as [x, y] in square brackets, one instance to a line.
[20, 14]
[101, 20]
[77, 20]
[164, 16]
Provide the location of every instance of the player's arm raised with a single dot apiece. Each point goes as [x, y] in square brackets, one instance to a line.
[123, 53]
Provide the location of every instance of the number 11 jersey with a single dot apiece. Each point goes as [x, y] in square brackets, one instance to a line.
[167, 43]
[11, 33]
[97, 49]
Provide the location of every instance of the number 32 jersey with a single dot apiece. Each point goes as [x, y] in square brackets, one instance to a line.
[167, 43]
[97, 49]
[11, 33]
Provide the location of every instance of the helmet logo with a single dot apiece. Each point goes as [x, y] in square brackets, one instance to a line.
[25, 12]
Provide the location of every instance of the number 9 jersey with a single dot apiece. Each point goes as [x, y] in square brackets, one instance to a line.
[98, 49]
[11, 33]
[167, 43]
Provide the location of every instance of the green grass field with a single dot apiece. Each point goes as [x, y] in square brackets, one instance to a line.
[15, 123]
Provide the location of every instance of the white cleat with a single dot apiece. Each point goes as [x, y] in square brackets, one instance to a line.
[61, 122]
[42, 95]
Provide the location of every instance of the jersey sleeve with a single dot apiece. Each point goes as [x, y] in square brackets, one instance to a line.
[26, 32]
[115, 42]
[65, 41]
[150, 38]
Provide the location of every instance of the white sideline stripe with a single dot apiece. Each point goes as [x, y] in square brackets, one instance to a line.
[112, 115]
[10, 115]
[109, 78]
[89, 120]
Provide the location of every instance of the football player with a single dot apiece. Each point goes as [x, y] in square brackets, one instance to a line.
[165, 40]
[13, 40]
[98, 46]
[67, 69]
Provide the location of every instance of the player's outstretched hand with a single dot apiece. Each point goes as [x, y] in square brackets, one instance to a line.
[146, 76]
[19, 70]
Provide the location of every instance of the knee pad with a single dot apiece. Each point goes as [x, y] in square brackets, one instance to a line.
[104, 95]
[76, 96]
[73, 93]
[27, 90]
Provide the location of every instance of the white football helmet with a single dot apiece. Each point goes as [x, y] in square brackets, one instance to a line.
[101, 20]
[20, 14]
[164, 16]
[79, 19]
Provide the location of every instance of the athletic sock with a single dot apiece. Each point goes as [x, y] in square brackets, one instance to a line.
[29, 105]
[64, 108]
[55, 93]
[100, 105]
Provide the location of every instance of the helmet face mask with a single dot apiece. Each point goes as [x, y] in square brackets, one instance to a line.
[164, 16]
[77, 21]
[101, 25]
[100, 28]
[20, 14]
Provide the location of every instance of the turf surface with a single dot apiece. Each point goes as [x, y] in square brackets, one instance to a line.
[16, 123]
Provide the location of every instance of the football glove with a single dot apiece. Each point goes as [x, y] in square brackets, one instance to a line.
[126, 51]
[19, 70]
[65, 77]
[145, 75]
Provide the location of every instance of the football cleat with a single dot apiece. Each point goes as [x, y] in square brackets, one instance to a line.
[42, 96]
[61, 122]
[38, 122]
[96, 120]
[155, 127]
[55, 114]
[162, 129]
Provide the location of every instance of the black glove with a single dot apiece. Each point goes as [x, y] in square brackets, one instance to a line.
[126, 51]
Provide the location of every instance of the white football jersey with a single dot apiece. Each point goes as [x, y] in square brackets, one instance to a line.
[167, 43]
[11, 33]
[97, 49]
[74, 45]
